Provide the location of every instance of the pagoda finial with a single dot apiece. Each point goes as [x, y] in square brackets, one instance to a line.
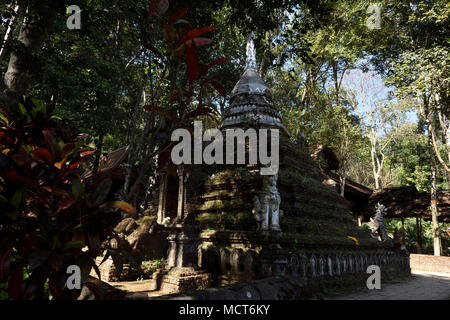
[250, 62]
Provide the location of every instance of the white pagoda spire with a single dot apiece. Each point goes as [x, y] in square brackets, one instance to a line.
[250, 62]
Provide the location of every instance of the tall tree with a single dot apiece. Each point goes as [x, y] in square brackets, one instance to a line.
[34, 30]
[408, 56]
[369, 99]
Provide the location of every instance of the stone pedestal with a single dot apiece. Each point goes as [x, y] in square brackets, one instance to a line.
[183, 273]
[183, 246]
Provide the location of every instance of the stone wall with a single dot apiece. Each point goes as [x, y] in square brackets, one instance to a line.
[423, 262]
[110, 273]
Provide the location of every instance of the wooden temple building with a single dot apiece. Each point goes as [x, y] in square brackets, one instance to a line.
[400, 202]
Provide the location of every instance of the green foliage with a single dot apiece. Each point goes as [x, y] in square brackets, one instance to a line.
[85, 72]
[150, 266]
[232, 220]
[423, 71]
[395, 225]
[409, 159]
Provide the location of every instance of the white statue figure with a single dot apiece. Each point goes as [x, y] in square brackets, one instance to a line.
[376, 224]
[267, 205]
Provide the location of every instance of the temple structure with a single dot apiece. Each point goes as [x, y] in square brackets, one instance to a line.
[407, 202]
[229, 223]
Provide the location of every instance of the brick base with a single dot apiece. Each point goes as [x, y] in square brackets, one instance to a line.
[179, 280]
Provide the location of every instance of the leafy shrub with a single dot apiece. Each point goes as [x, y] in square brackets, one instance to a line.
[48, 219]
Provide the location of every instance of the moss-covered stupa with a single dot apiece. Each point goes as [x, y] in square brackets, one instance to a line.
[316, 237]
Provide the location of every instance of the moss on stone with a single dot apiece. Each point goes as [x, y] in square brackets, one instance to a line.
[145, 219]
[225, 220]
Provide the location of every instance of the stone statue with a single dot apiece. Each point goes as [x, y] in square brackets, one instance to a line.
[266, 205]
[376, 224]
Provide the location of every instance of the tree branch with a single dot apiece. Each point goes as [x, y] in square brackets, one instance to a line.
[436, 150]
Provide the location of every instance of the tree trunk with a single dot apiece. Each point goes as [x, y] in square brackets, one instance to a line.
[336, 83]
[403, 232]
[148, 192]
[375, 170]
[305, 90]
[98, 154]
[132, 151]
[419, 235]
[31, 36]
[445, 136]
[360, 220]
[342, 186]
[8, 31]
[447, 143]
[433, 194]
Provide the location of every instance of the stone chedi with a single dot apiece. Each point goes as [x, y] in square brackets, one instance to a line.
[251, 106]
[245, 226]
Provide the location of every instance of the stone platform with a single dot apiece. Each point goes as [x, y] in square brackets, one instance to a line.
[184, 279]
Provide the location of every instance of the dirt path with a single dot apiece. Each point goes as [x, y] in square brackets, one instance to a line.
[422, 286]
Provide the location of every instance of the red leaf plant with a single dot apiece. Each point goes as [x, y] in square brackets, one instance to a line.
[185, 100]
[48, 220]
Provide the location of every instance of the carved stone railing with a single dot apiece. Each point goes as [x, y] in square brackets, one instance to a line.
[334, 265]
[247, 264]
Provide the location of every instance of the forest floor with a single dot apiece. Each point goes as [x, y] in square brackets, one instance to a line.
[420, 286]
